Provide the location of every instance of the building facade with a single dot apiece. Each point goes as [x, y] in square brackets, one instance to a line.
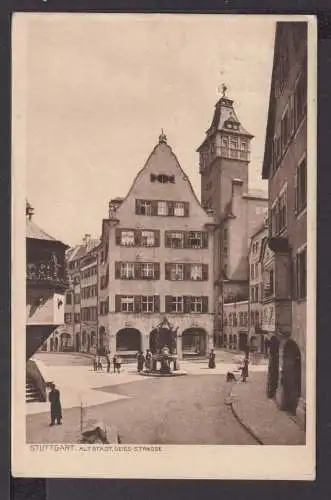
[155, 263]
[285, 167]
[258, 337]
[224, 164]
[46, 282]
[235, 325]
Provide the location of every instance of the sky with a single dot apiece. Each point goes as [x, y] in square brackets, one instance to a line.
[99, 88]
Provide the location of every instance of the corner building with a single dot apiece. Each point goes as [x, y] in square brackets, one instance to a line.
[285, 167]
[155, 263]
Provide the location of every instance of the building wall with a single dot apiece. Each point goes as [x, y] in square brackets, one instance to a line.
[161, 161]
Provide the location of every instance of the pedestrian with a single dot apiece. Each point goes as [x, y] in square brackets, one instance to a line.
[244, 369]
[114, 362]
[148, 361]
[211, 363]
[140, 361]
[108, 362]
[56, 410]
[118, 364]
[95, 363]
[99, 364]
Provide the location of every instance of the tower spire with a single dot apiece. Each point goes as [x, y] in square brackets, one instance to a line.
[162, 137]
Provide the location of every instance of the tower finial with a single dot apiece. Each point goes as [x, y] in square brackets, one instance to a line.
[29, 211]
[162, 137]
[224, 89]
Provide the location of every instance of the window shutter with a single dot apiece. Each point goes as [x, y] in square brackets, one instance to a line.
[187, 271]
[187, 304]
[205, 305]
[137, 238]
[171, 208]
[107, 305]
[117, 270]
[167, 271]
[137, 270]
[186, 208]
[205, 272]
[186, 239]
[138, 205]
[137, 304]
[118, 236]
[154, 207]
[157, 238]
[168, 300]
[156, 303]
[117, 303]
[204, 239]
[167, 239]
[157, 271]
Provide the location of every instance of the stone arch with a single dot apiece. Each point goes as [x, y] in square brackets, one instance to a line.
[273, 367]
[194, 340]
[128, 339]
[291, 378]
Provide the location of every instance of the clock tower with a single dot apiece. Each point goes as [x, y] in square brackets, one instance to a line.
[224, 160]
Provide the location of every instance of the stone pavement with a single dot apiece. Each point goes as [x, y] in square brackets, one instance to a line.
[261, 415]
[81, 386]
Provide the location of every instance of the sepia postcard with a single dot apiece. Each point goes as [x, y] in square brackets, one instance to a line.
[164, 246]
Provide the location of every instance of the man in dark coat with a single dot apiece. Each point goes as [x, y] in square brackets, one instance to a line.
[244, 370]
[56, 410]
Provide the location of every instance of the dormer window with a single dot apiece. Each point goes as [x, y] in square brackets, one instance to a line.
[163, 178]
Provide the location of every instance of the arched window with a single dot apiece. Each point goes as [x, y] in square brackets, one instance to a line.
[235, 321]
[225, 320]
[230, 319]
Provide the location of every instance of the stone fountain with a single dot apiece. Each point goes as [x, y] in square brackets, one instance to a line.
[164, 360]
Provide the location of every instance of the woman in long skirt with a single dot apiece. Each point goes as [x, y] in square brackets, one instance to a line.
[211, 363]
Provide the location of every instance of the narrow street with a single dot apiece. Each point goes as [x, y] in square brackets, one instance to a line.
[183, 410]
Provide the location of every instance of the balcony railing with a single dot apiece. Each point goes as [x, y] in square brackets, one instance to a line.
[44, 275]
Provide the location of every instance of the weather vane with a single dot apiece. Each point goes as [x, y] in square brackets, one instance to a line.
[223, 88]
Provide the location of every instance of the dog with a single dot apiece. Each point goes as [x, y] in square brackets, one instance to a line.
[230, 377]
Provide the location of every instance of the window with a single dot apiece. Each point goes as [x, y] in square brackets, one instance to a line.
[300, 96]
[196, 272]
[225, 142]
[230, 319]
[245, 318]
[257, 318]
[127, 270]
[147, 238]
[301, 268]
[143, 207]
[235, 320]
[195, 239]
[241, 319]
[243, 145]
[252, 271]
[147, 270]
[269, 284]
[177, 272]
[196, 305]
[282, 212]
[127, 238]
[234, 143]
[147, 303]
[177, 304]
[77, 317]
[67, 318]
[175, 240]
[285, 130]
[127, 304]
[301, 186]
[179, 209]
[225, 234]
[256, 271]
[68, 299]
[162, 208]
[77, 298]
